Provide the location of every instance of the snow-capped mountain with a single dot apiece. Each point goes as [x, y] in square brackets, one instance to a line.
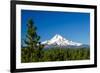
[59, 41]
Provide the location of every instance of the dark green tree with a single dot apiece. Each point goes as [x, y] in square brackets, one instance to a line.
[32, 42]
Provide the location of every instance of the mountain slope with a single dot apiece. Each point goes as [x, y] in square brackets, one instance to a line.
[59, 41]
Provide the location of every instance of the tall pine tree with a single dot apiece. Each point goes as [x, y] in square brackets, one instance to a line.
[32, 42]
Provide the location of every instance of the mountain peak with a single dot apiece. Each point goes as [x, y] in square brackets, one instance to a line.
[58, 40]
[57, 36]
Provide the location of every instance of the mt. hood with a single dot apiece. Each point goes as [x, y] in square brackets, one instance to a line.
[59, 41]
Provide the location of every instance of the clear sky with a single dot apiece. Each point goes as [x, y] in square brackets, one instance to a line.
[71, 25]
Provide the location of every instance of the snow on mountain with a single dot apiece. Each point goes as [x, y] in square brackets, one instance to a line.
[58, 40]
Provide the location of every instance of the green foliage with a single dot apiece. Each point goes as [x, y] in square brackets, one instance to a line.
[64, 54]
[32, 52]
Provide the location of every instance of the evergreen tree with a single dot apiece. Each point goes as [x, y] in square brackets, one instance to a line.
[32, 42]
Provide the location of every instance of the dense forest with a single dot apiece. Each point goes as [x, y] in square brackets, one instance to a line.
[57, 54]
[33, 51]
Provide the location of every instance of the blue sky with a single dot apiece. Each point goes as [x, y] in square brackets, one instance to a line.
[73, 26]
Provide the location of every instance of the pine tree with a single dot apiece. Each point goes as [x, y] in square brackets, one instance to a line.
[32, 42]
